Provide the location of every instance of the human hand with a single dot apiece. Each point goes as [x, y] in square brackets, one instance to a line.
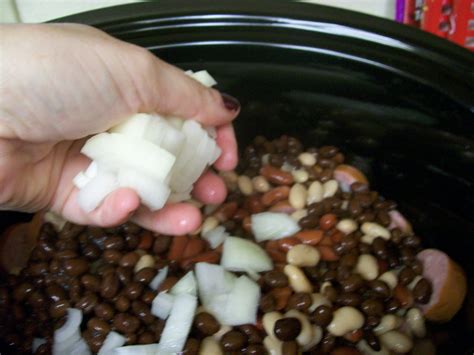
[61, 83]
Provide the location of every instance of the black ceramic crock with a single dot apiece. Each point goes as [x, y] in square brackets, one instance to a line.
[399, 102]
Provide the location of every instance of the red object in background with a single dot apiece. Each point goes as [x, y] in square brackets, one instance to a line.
[450, 19]
[462, 31]
[436, 17]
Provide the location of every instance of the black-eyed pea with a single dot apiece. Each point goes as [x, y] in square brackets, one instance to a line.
[345, 320]
[330, 188]
[390, 278]
[315, 193]
[210, 346]
[316, 336]
[347, 226]
[297, 279]
[297, 197]
[388, 323]
[416, 322]
[268, 321]
[245, 185]
[307, 159]
[303, 255]
[273, 345]
[209, 224]
[300, 175]
[396, 341]
[299, 214]
[260, 184]
[144, 261]
[230, 179]
[375, 230]
[306, 333]
[318, 299]
[367, 267]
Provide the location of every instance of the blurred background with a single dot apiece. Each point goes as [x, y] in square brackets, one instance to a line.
[450, 19]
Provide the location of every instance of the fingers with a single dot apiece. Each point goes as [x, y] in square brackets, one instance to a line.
[227, 142]
[210, 189]
[167, 90]
[114, 210]
[175, 219]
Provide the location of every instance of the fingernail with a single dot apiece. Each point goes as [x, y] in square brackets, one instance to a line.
[230, 102]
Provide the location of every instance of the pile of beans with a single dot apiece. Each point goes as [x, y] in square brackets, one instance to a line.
[347, 283]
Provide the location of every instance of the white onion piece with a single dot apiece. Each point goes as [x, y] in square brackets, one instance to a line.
[148, 349]
[96, 190]
[271, 225]
[211, 131]
[79, 348]
[120, 150]
[156, 130]
[159, 278]
[216, 236]
[112, 341]
[203, 77]
[92, 170]
[173, 140]
[179, 323]
[242, 302]
[176, 122]
[136, 126]
[244, 255]
[153, 193]
[187, 284]
[213, 280]
[80, 180]
[216, 305]
[190, 155]
[37, 342]
[70, 328]
[180, 196]
[162, 305]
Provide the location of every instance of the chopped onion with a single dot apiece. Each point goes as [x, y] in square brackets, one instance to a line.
[80, 348]
[159, 278]
[119, 150]
[136, 126]
[179, 323]
[153, 193]
[244, 255]
[67, 339]
[212, 280]
[203, 77]
[159, 157]
[187, 284]
[148, 349]
[70, 328]
[112, 341]
[216, 236]
[162, 305]
[272, 225]
[96, 190]
[242, 302]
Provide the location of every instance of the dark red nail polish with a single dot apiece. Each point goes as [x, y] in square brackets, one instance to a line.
[230, 103]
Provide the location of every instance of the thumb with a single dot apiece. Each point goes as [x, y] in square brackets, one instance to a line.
[168, 90]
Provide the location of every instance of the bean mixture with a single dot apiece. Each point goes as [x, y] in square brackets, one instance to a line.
[347, 283]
